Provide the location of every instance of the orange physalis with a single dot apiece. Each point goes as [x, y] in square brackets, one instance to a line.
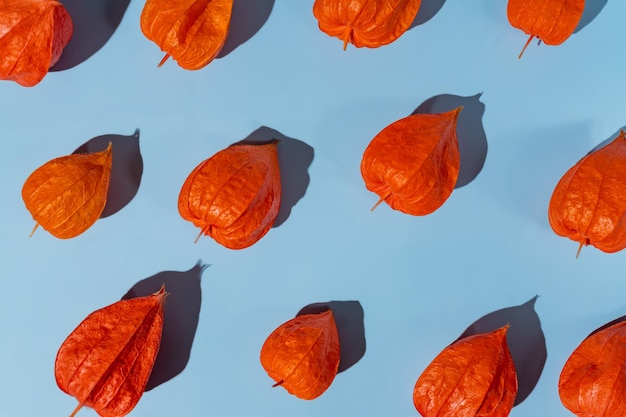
[191, 31]
[475, 376]
[592, 382]
[588, 204]
[68, 194]
[552, 21]
[234, 196]
[369, 23]
[106, 361]
[302, 355]
[33, 34]
[413, 163]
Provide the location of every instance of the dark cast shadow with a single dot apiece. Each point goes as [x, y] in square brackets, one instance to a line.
[607, 140]
[609, 324]
[591, 11]
[469, 130]
[428, 9]
[180, 318]
[247, 19]
[94, 23]
[525, 338]
[126, 168]
[349, 320]
[294, 159]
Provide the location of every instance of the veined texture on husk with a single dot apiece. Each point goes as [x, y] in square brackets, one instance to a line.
[234, 196]
[33, 34]
[588, 204]
[552, 21]
[413, 164]
[106, 361]
[593, 380]
[365, 23]
[475, 376]
[302, 355]
[67, 195]
[192, 32]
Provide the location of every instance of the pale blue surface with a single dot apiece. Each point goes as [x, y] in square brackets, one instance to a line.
[421, 281]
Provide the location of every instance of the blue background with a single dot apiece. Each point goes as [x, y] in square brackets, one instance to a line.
[420, 281]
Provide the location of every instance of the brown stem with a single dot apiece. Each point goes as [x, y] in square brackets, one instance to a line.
[199, 234]
[585, 242]
[78, 407]
[524, 48]
[33, 231]
[163, 60]
[346, 38]
[386, 196]
[206, 230]
[377, 204]
[275, 385]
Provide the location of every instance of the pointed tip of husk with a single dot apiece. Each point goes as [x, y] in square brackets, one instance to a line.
[328, 313]
[106, 156]
[161, 292]
[272, 143]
